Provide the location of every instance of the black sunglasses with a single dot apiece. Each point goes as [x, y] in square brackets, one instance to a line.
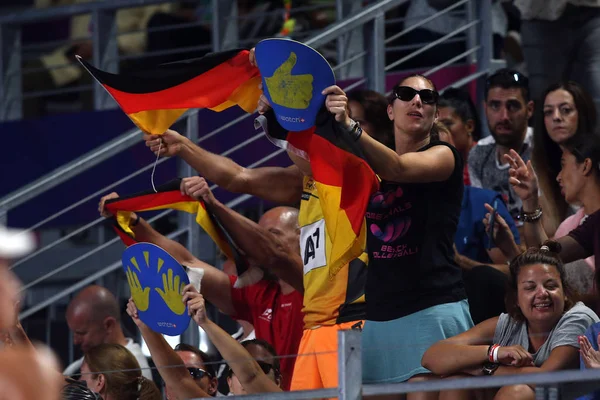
[507, 75]
[266, 368]
[406, 93]
[198, 373]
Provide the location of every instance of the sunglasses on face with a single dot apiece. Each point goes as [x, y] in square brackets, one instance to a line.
[406, 93]
[198, 373]
[264, 366]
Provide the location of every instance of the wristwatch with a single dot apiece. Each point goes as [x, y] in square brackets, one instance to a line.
[489, 368]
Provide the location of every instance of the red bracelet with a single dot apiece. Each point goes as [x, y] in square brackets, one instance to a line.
[491, 353]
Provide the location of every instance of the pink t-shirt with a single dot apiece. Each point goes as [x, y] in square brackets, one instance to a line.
[570, 224]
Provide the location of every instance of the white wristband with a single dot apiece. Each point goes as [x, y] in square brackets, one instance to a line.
[495, 354]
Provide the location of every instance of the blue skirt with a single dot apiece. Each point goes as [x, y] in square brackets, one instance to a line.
[392, 350]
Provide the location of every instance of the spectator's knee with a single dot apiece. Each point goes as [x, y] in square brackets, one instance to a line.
[515, 392]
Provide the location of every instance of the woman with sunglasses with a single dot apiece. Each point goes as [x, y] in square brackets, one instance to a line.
[413, 280]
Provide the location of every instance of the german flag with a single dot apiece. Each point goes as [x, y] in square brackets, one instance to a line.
[344, 180]
[154, 98]
[167, 196]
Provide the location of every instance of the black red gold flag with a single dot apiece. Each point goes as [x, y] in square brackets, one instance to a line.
[155, 97]
[344, 180]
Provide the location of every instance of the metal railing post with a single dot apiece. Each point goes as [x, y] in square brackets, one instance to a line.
[351, 43]
[349, 365]
[105, 51]
[483, 12]
[188, 222]
[224, 25]
[3, 217]
[10, 72]
[374, 34]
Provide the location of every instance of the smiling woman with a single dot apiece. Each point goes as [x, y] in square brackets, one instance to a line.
[539, 333]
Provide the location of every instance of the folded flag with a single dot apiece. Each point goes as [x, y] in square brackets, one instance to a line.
[344, 180]
[169, 196]
[154, 98]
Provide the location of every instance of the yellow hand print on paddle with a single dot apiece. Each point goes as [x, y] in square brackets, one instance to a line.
[141, 296]
[172, 292]
[287, 90]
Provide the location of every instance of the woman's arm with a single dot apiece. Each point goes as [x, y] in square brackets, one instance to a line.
[433, 165]
[561, 357]
[245, 368]
[461, 352]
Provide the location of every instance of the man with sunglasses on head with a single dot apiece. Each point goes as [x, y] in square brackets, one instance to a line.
[508, 109]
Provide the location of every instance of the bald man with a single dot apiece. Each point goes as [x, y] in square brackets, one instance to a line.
[94, 318]
[272, 304]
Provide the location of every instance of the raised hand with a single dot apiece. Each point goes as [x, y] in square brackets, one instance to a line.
[103, 212]
[288, 90]
[132, 311]
[263, 102]
[590, 357]
[515, 356]
[169, 143]
[172, 292]
[337, 104]
[197, 188]
[195, 304]
[502, 235]
[522, 177]
[141, 296]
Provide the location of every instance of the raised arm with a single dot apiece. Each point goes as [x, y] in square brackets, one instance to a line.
[433, 165]
[169, 364]
[276, 184]
[468, 351]
[525, 184]
[216, 287]
[262, 246]
[245, 368]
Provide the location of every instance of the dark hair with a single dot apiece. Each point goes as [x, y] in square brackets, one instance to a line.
[206, 359]
[584, 147]
[463, 106]
[546, 153]
[507, 78]
[125, 379]
[265, 345]
[375, 106]
[546, 254]
[434, 128]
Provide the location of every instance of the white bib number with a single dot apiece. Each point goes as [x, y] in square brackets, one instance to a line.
[312, 246]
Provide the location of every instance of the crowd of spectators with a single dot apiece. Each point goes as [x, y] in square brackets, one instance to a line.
[483, 245]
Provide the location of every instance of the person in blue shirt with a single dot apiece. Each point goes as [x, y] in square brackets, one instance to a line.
[485, 269]
[471, 240]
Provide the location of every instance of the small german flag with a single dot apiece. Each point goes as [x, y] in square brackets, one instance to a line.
[344, 180]
[167, 196]
[154, 98]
